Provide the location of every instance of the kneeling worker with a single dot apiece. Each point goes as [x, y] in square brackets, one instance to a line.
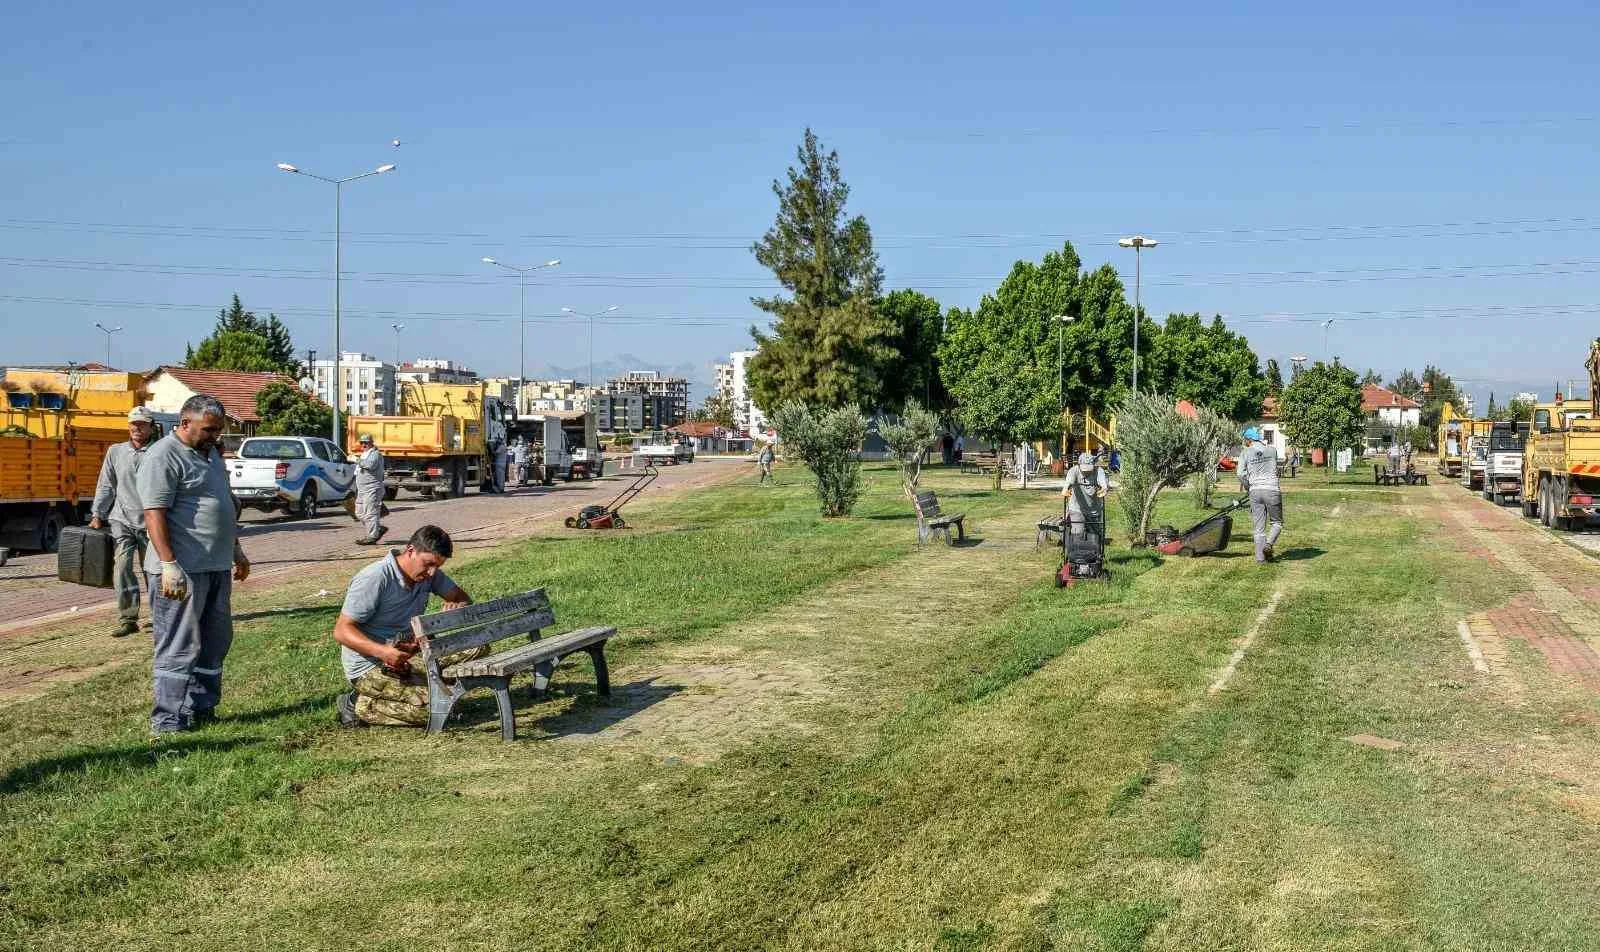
[378, 609]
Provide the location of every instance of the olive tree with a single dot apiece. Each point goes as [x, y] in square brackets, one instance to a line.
[908, 437]
[828, 442]
[1160, 448]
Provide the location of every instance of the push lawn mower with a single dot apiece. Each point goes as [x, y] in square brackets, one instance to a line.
[1208, 535]
[1083, 556]
[609, 516]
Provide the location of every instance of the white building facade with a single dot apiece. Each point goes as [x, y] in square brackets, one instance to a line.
[367, 384]
[747, 417]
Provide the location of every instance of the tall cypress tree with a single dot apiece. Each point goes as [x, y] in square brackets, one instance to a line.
[829, 343]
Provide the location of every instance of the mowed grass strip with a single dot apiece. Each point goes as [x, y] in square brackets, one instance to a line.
[1047, 774]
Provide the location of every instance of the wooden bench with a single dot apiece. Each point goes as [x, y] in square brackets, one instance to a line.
[452, 632]
[979, 463]
[1382, 476]
[932, 522]
[1049, 526]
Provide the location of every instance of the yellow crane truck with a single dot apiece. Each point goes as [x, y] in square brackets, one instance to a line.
[1561, 463]
[443, 439]
[1450, 439]
[55, 428]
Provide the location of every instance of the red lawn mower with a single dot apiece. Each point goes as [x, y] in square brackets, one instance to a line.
[609, 516]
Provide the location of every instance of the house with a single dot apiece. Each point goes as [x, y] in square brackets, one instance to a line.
[708, 437]
[1389, 408]
[169, 387]
[1271, 429]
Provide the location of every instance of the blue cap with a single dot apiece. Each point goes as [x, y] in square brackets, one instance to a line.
[1252, 433]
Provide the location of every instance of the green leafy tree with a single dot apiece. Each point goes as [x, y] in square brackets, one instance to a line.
[1009, 364]
[1518, 409]
[1438, 390]
[1322, 408]
[1160, 448]
[233, 350]
[909, 437]
[228, 347]
[1406, 384]
[1274, 377]
[829, 343]
[912, 373]
[828, 442]
[1208, 365]
[286, 410]
[718, 409]
[1371, 379]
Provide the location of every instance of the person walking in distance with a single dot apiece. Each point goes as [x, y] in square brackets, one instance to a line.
[369, 491]
[1258, 476]
[116, 506]
[765, 462]
[189, 514]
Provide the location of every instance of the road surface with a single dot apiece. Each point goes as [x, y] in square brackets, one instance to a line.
[277, 545]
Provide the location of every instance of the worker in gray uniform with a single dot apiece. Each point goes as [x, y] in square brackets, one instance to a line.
[369, 491]
[1085, 489]
[116, 506]
[188, 511]
[1258, 476]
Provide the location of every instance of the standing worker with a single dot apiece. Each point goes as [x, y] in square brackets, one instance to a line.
[519, 461]
[765, 462]
[1085, 490]
[116, 503]
[369, 491]
[1258, 476]
[188, 511]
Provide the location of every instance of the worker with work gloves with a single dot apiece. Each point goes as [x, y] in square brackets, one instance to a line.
[1085, 489]
[1258, 476]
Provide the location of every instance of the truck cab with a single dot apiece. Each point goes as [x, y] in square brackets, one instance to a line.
[1502, 478]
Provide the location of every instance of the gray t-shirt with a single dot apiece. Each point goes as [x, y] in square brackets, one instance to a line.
[116, 495]
[1258, 467]
[194, 491]
[1080, 489]
[382, 603]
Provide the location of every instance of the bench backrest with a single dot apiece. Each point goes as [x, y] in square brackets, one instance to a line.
[927, 504]
[483, 624]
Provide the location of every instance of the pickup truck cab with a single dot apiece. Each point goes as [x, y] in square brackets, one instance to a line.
[1502, 478]
[292, 473]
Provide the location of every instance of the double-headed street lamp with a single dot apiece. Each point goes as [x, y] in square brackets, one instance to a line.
[591, 317]
[1138, 243]
[522, 316]
[397, 329]
[1325, 325]
[108, 332]
[336, 386]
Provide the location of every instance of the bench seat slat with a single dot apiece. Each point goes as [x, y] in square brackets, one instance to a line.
[523, 657]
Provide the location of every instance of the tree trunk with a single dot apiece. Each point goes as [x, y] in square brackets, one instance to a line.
[1148, 507]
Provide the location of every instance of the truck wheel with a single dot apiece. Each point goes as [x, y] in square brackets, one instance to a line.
[390, 493]
[1544, 502]
[1528, 502]
[458, 482]
[549, 477]
[306, 507]
[50, 531]
[1558, 505]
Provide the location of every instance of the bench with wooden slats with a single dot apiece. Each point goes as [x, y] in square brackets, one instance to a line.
[450, 633]
[1047, 527]
[932, 522]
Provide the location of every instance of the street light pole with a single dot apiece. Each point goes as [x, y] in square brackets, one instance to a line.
[108, 332]
[1325, 355]
[397, 329]
[335, 386]
[591, 318]
[522, 317]
[1062, 320]
[1138, 243]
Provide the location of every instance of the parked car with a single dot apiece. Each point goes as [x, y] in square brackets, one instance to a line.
[293, 473]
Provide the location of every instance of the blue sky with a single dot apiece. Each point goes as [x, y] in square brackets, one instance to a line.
[1425, 177]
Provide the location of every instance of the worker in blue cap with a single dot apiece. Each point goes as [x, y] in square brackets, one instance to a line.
[1258, 476]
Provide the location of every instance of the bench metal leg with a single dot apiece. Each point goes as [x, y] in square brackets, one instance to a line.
[508, 716]
[961, 531]
[440, 704]
[602, 674]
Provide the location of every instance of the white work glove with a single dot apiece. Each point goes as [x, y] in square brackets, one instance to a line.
[174, 584]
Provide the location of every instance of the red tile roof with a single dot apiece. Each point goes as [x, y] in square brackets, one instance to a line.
[1375, 398]
[236, 390]
[698, 428]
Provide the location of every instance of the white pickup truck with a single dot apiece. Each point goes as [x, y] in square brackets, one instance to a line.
[292, 473]
[673, 453]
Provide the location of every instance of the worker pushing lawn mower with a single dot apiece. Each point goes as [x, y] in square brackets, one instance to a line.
[1083, 544]
[609, 516]
[1258, 478]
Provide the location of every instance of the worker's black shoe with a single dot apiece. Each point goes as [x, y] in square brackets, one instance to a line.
[346, 704]
[124, 629]
[364, 540]
[382, 531]
[202, 717]
[1271, 556]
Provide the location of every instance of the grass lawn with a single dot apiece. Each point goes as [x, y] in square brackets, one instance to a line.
[824, 737]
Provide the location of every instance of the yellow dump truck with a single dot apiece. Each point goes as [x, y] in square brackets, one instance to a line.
[443, 439]
[55, 428]
[1561, 463]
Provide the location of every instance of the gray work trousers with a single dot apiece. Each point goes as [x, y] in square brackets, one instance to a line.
[1266, 506]
[192, 638]
[130, 545]
[369, 506]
